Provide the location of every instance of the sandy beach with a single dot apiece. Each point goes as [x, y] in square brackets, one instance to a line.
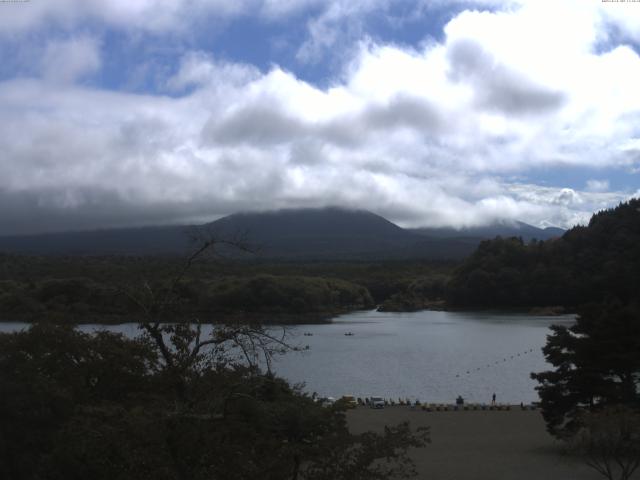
[481, 445]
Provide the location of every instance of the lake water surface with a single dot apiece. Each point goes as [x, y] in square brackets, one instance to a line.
[431, 356]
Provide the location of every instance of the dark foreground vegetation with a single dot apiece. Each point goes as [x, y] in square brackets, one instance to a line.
[597, 365]
[78, 406]
[591, 399]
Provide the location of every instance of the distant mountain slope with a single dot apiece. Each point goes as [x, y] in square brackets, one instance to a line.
[311, 222]
[320, 234]
[296, 234]
[124, 241]
[517, 229]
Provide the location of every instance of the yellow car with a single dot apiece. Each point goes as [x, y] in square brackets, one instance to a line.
[349, 401]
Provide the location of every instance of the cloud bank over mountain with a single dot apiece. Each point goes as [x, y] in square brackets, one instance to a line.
[478, 121]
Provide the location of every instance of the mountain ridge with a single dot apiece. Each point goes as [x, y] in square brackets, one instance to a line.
[331, 233]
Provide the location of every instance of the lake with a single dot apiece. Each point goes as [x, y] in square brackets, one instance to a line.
[430, 356]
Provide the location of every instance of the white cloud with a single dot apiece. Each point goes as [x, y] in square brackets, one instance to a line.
[426, 137]
[597, 185]
[71, 59]
[147, 15]
[198, 69]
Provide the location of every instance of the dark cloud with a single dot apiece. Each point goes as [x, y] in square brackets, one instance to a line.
[259, 125]
[404, 111]
[264, 124]
[30, 212]
[496, 86]
[27, 212]
[307, 152]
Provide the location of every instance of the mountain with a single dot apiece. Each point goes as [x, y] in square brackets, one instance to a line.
[319, 234]
[125, 241]
[518, 229]
[293, 234]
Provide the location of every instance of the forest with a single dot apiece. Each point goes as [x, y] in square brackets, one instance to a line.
[589, 263]
[79, 289]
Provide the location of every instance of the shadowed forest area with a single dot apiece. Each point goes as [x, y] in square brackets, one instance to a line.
[88, 289]
[173, 403]
[589, 263]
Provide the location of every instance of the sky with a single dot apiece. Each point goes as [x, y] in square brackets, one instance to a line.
[429, 112]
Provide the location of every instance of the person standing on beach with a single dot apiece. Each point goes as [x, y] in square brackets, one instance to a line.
[493, 399]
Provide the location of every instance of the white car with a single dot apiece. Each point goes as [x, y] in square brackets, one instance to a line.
[327, 402]
[376, 402]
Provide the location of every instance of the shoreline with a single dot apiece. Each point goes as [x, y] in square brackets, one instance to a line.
[553, 311]
[317, 318]
[265, 318]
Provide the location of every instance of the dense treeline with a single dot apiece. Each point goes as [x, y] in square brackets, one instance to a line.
[84, 299]
[269, 293]
[588, 263]
[90, 288]
[423, 292]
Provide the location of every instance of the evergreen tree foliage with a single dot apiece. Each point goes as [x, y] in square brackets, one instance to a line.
[588, 263]
[596, 365]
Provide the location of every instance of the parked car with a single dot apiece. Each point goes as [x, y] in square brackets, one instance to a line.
[349, 400]
[376, 402]
[327, 402]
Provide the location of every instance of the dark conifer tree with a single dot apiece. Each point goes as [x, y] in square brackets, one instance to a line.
[597, 364]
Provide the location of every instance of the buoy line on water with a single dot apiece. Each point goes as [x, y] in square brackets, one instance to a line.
[497, 362]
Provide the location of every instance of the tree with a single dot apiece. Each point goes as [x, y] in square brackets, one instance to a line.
[597, 364]
[180, 345]
[174, 404]
[47, 377]
[609, 442]
[592, 263]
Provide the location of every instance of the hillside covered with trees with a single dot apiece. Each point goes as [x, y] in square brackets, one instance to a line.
[81, 289]
[588, 263]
